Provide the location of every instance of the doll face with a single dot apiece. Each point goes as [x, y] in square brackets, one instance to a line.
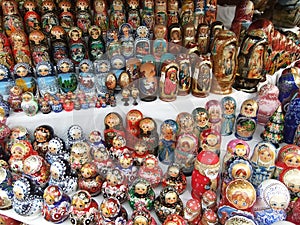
[117, 143]
[292, 160]
[112, 120]
[18, 153]
[168, 133]
[171, 197]
[241, 200]
[173, 171]
[215, 113]
[212, 139]
[18, 192]
[54, 172]
[49, 199]
[146, 125]
[265, 155]
[212, 173]
[64, 67]
[278, 202]
[95, 34]
[100, 155]
[86, 172]
[201, 119]
[240, 150]
[150, 163]
[229, 108]
[43, 70]
[126, 162]
[141, 149]
[112, 180]
[140, 221]
[21, 71]
[140, 188]
[84, 68]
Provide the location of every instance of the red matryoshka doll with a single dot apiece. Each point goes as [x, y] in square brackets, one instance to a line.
[5, 220]
[79, 155]
[168, 83]
[117, 14]
[134, 17]
[205, 174]
[209, 217]
[96, 43]
[31, 18]
[228, 104]
[168, 203]
[210, 140]
[294, 216]
[174, 219]
[113, 126]
[148, 134]
[288, 178]
[66, 17]
[202, 37]
[151, 171]
[209, 201]
[84, 208]
[252, 61]
[202, 77]
[246, 121]
[175, 177]
[90, 179]
[214, 110]
[59, 46]
[112, 211]
[118, 147]
[39, 47]
[83, 16]
[67, 79]
[148, 86]
[133, 119]
[49, 17]
[242, 19]
[141, 216]
[77, 46]
[192, 211]
[210, 12]
[175, 37]
[167, 141]
[55, 200]
[185, 73]
[6, 57]
[224, 57]
[288, 157]
[101, 18]
[42, 135]
[263, 162]
[20, 47]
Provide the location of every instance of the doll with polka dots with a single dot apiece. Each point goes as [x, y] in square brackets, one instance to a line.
[192, 211]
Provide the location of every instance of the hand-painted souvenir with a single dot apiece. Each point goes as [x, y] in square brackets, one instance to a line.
[66, 17]
[211, 12]
[46, 80]
[291, 120]
[77, 47]
[224, 51]
[84, 18]
[86, 77]
[174, 219]
[32, 21]
[6, 188]
[118, 147]
[187, 12]
[113, 46]
[24, 77]
[175, 177]
[124, 82]
[113, 127]
[236, 147]
[49, 17]
[6, 57]
[56, 207]
[186, 151]
[202, 38]
[17, 133]
[5, 220]
[42, 135]
[79, 155]
[101, 17]
[201, 119]
[148, 133]
[141, 194]
[20, 150]
[251, 61]
[192, 211]
[141, 216]
[117, 14]
[102, 67]
[293, 215]
[12, 23]
[272, 200]
[84, 208]
[214, 110]
[151, 171]
[112, 212]
[29, 104]
[90, 179]
[10, 7]
[95, 140]
[246, 121]
[210, 140]
[263, 162]
[142, 42]
[185, 81]
[126, 40]
[287, 177]
[205, 174]
[175, 37]
[167, 141]
[56, 149]
[125, 164]
[59, 44]
[202, 77]
[4, 112]
[115, 186]
[228, 104]
[160, 45]
[240, 220]
[148, 82]
[28, 198]
[96, 44]
[189, 34]
[103, 161]
[209, 201]
[133, 119]
[168, 202]
[148, 17]
[173, 12]
[185, 123]
[62, 176]
[140, 151]
[44, 106]
[67, 79]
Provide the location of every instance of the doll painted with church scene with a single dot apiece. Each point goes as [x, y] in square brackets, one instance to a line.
[86, 77]
[67, 79]
[263, 162]
[228, 104]
[167, 142]
[96, 43]
[24, 77]
[46, 78]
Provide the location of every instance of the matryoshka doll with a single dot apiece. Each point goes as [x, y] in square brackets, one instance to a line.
[20, 47]
[113, 45]
[86, 78]
[192, 211]
[112, 212]
[49, 18]
[133, 119]
[37, 169]
[142, 42]
[174, 219]
[175, 177]
[168, 83]
[95, 140]
[263, 162]
[24, 77]
[75, 134]
[140, 151]
[160, 9]
[83, 16]
[141, 194]
[6, 56]
[102, 159]
[184, 78]
[57, 204]
[228, 116]
[42, 135]
[56, 149]
[6, 84]
[90, 179]
[236, 147]
[134, 17]
[62, 176]
[209, 201]
[84, 208]
[160, 45]
[175, 38]
[185, 123]
[126, 40]
[224, 54]
[6, 188]
[101, 18]
[125, 164]
[29, 104]
[167, 141]
[31, 18]
[12, 19]
[272, 201]
[246, 121]
[205, 175]
[293, 215]
[151, 171]
[141, 216]
[79, 155]
[210, 140]
[214, 110]
[96, 43]
[118, 147]
[67, 80]
[148, 133]
[168, 202]
[115, 186]
[117, 14]
[202, 38]
[46, 78]
[113, 126]
[102, 67]
[201, 119]
[148, 86]
[59, 46]
[77, 47]
[66, 17]
[28, 198]
[287, 177]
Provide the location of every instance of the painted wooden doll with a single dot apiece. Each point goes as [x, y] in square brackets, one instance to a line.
[77, 46]
[148, 86]
[184, 78]
[141, 215]
[42, 135]
[67, 79]
[6, 58]
[291, 120]
[142, 42]
[192, 211]
[175, 177]
[113, 127]
[96, 43]
[203, 32]
[24, 77]
[236, 147]
[102, 67]
[56, 149]
[140, 151]
[59, 46]
[118, 147]
[201, 119]
[148, 133]
[133, 119]
[49, 17]
[6, 188]
[160, 45]
[174, 219]
[126, 40]
[210, 140]
[66, 17]
[86, 77]
[185, 122]
[175, 38]
[83, 16]
[32, 19]
[12, 19]
[6, 83]
[74, 135]
[79, 155]
[125, 164]
[46, 78]
[151, 171]
[117, 14]
[111, 211]
[101, 18]
[228, 115]
[246, 121]
[214, 110]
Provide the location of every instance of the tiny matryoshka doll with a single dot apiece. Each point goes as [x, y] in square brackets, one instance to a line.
[89, 179]
[42, 135]
[62, 176]
[263, 162]
[192, 211]
[6, 82]
[175, 177]
[115, 186]
[29, 104]
[141, 194]
[56, 201]
[59, 46]
[112, 212]
[113, 127]
[214, 110]
[77, 47]
[140, 151]
[167, 141]
[75, 134]
[24, 77]
[141, 216]
[67, 79]
[246, 121]
[28, 198]
[168, 202]
[96, 43]
[6, 188]
[84, 208]
[151, 171]
[46, 78]
[86, 78]
[228, 104]
[201, 119]
[148, 133]
[79, 155]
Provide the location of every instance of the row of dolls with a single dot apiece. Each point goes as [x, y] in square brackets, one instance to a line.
[240, 175]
